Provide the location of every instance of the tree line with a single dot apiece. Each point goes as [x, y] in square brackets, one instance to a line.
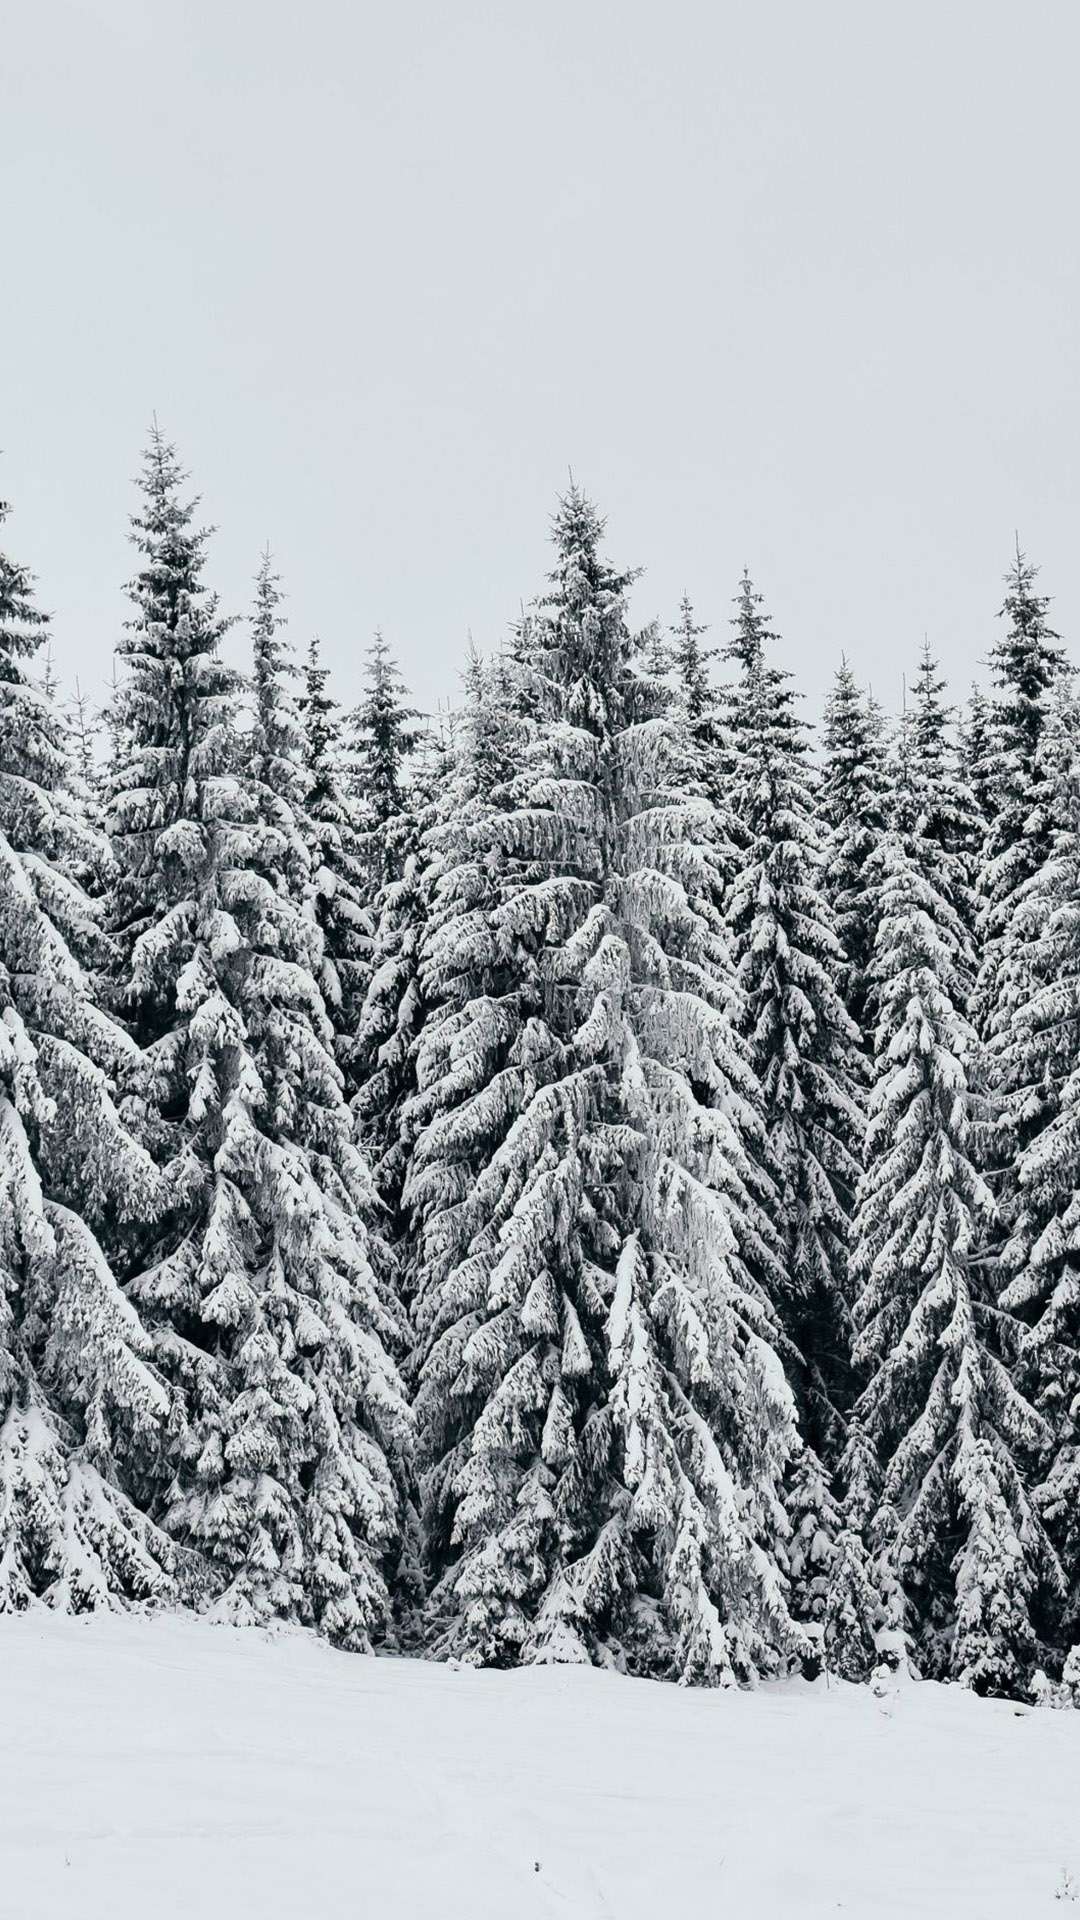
[598, 1180]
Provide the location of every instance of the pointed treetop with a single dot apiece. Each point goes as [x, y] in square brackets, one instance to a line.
[22, 623]
[690, 660]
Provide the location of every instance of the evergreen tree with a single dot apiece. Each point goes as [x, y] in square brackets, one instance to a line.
[977, 757]
[954, 1438]
[400, 774]
[1027, 663]
[278, 747]
[268, 1310]
[83, 1413]
[340, 877]
[853, 807]
[706, 747]
[391, 1018]
[605, 1424]
[950, 826]
[468, 1084]
[804, 1047]
[384, 738]
[84, 732]
[1037, 1089]
[852, 1608]
[690, 661]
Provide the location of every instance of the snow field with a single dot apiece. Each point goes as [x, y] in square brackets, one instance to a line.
[153, 1768]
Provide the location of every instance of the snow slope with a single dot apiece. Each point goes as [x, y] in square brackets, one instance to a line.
[166, 1767]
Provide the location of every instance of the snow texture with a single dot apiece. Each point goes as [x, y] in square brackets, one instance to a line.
[167, 1767]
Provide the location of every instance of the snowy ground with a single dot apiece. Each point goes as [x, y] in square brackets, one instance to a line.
[159, 1768]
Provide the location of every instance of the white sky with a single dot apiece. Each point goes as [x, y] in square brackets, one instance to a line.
[792, 284]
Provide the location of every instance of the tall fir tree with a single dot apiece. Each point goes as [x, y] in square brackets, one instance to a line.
[954, 1521]
[268, 1309]
[398, 778]
[84, 1416]
[853, 808]
[1027, 662]
[340, 873]
[1030, 675]
[277, 762]
[977, 757]
[384, 738]
[1037, 1098]
[951, 826]
[804, 1046]
[698, 706]
[605, 1423]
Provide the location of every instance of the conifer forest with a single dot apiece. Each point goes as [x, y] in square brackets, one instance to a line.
[591, 1178]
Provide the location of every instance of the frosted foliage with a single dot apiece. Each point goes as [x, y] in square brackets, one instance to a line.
[269, 1309]
[954, 1519]
[604, 1421]
[1027, 663]
[339, 871]
[82, 1411]
[852, 804]
[803, 1045]
[1036, 1095]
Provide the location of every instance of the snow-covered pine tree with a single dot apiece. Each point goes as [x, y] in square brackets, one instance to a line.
[1036, 1087]
[1027, 662]
[400, 777]
[954, 1521]
[340, 875]
[278, 748]
[83, 1414]
[83, 735]
[469, 1084]
[852, 807]
[977, 757]
[267, 1308]
[384, 736]
[804, 1046]
[690, 664]
[611, 1421]
[698, 707]
[390, 1020]
[950, 824]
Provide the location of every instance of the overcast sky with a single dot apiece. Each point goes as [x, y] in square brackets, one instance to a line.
[792, 285]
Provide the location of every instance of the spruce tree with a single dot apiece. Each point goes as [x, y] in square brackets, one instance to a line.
[954, 1521]
[698, 707]
[977, 756]
[268, 1309]
[1027, 662]
[339, 871]
[853, 807]
[1037, 1088]
[384, 737]
[84, 1416]
[605, 1424]
[398, 778]
[804, 1047]
[950, 825]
